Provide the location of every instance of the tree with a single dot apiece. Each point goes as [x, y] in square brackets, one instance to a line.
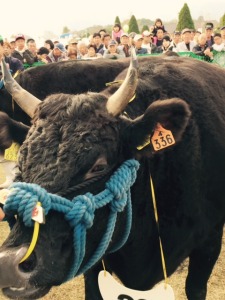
[145, 27]
[222, 21]
[117, 20]
[185, 19]
[66, 29]
[133, 25]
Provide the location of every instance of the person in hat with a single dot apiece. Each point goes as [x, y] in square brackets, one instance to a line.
[72, 44]
[138, 39]
[209, 33]
[148, 41]
[21, 52]
[125, 44]
[57, 54]
[113, 52]
[218, 45]
[41, 54]
[176, 38]
[186, 45]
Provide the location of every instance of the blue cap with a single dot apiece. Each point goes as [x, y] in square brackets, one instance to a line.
[60, 47]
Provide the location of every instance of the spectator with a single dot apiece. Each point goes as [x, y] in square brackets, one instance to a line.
[166, 45]
[117, 32]
[82, 49]
[72, 54]
[41, 55]
[176, 39]
[57, 54]
[187, 44]
[157, 25]
[92, 52]
[158, 39]
[97, 41]
[138, 39]
[125, 44]
[202, 48]
[14, 64]
[222, 32]
[148, 42]
[105, 39]
[102, 33]
[21, 52]
[113, 51]
[218, 43]
[49, 45]
[12, 44]
[72, 44]
[32, 47]
[209, 33]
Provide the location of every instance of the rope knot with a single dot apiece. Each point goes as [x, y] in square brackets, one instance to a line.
[23, 199]
[82, 211]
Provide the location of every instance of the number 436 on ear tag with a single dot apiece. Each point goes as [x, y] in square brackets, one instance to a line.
[162, 138]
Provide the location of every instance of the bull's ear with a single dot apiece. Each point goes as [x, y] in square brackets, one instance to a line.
[172, 115]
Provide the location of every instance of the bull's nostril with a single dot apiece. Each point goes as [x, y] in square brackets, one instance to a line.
[29, 264]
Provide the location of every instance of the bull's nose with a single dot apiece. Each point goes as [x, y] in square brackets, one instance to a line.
[11, 274]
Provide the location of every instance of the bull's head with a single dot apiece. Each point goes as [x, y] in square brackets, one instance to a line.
[74, 140]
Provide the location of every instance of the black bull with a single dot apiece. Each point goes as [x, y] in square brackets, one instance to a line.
[69, 77]
[76, 138]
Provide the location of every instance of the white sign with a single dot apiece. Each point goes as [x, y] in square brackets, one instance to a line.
[112, 290]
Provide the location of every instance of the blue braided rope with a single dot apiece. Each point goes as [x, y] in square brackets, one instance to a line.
[80, 211]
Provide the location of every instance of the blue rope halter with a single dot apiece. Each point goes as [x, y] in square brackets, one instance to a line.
[80, 211]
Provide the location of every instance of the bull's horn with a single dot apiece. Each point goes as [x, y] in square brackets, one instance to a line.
[119, 100]
[23, 98]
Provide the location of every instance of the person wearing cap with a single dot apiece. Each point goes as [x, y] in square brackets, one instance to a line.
[72, 44]
[57, 54]
[176, 38]
[113, 52]
[187, 44]
[222, 32]
[21, 52]
[125, 44]
[209, 33]
[138, 39]
[148, 42]
[218, 45]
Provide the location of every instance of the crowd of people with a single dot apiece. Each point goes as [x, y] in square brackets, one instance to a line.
[114, 45]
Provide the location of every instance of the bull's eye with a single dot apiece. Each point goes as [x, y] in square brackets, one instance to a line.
[98, 168]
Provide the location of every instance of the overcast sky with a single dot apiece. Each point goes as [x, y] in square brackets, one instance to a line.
[35, 17]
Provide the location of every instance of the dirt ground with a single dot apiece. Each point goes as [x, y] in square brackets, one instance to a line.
[74, 290]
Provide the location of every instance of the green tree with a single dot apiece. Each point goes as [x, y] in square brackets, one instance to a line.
[222, 21]
[66, 29]
[133, 25]
[117, 20]
[185, 19]
[145, 27]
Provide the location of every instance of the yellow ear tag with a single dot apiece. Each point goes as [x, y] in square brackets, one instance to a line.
[162, 138]
[12, 152]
